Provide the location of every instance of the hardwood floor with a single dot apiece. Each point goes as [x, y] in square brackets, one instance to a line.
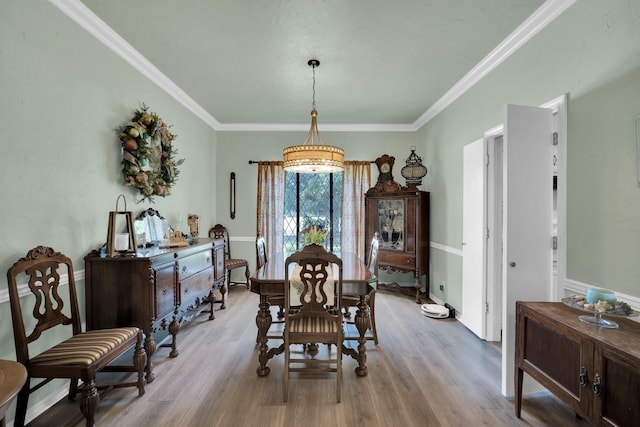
[424, 372]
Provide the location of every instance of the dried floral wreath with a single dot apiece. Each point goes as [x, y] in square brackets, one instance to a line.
[148, 157]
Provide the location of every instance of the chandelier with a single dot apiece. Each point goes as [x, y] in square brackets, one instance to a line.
[311, 157]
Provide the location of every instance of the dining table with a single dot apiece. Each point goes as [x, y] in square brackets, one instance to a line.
[268, 281]
[13, 376]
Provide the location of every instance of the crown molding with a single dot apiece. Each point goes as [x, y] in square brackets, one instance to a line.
[539, 19]
[290, 127]
[84, 17]
[88, 20]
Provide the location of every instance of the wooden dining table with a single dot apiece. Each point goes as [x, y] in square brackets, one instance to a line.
[12, 377]
[268, 281]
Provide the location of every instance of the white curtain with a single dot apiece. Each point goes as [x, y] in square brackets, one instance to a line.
[270, 205]
[356, 180]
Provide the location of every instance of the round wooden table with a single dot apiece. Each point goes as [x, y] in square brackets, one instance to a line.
[12, 377]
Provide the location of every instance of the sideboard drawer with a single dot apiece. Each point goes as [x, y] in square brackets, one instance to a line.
[192, 264]
[398, 260]
[165, 295]
[193, 286]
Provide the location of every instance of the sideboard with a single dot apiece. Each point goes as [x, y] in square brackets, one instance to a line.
[595, 371]
[156, 290]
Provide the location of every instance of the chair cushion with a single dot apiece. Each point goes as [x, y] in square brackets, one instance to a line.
[313, 325]
[86, 348]
[232, 263]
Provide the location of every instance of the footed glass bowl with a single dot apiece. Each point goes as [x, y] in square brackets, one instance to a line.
[619, 310]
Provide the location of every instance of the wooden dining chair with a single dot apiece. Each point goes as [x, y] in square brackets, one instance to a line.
[219, 231]
[261, 250]
[316, 293]
[79, 357]
[352, 301]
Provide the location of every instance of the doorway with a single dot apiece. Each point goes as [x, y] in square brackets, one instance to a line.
[508, 273]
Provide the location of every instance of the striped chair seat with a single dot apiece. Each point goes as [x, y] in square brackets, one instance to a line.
[313, 325]
[86, 348]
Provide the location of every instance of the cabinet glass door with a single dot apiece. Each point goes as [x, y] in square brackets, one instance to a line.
[391, 216]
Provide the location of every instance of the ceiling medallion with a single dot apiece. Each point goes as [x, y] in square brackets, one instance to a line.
[311, 157]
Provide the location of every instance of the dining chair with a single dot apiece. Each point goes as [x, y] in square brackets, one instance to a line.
[79, 357]
[219, 231]
[352, 301]
[311, 287]
[261, 250]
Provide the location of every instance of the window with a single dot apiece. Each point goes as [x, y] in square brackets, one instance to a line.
[312, 199]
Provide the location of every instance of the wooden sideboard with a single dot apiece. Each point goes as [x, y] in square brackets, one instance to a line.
[402, 220]
[156, 290]
[595, 371]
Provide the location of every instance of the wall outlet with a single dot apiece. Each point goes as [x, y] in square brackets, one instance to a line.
[442, 285]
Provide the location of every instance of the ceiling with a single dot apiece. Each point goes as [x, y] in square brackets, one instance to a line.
[385, 65]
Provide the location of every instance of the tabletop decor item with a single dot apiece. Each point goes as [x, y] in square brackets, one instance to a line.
[121, 237]
[314, 230]
[148, 157]
[600, 302]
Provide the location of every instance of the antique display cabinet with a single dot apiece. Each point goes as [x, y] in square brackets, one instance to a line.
[400, 216]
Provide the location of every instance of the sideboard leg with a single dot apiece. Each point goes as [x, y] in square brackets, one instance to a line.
[174, 328]
[149, 348]
[518, 391]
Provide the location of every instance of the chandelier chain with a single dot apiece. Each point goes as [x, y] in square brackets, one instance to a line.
[313, 104]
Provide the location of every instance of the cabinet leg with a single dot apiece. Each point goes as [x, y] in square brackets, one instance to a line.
[418, 287]
[174, 328]
[211, 299]
[149, 348]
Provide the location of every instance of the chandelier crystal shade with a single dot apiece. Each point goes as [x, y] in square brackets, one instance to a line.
[311, 157]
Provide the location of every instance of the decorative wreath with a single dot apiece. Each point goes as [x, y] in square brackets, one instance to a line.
[148, 157]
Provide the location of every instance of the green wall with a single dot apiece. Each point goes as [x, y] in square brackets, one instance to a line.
[63, 95]
[591, 52]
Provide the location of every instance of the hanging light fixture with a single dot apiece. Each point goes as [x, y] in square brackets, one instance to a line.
[311, 157]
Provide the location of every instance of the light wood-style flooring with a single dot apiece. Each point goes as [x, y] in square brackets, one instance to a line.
[424, 372]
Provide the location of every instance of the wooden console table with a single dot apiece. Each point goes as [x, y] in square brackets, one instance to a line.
[156, 290]
[595, 371]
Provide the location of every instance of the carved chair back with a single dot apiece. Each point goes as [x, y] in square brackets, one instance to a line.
[43, 268]
[318, 289]
[261, 250]
[219, 231]
[372, 261]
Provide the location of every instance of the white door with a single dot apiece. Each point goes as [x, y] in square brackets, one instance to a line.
[472, 313]
[527, 222]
